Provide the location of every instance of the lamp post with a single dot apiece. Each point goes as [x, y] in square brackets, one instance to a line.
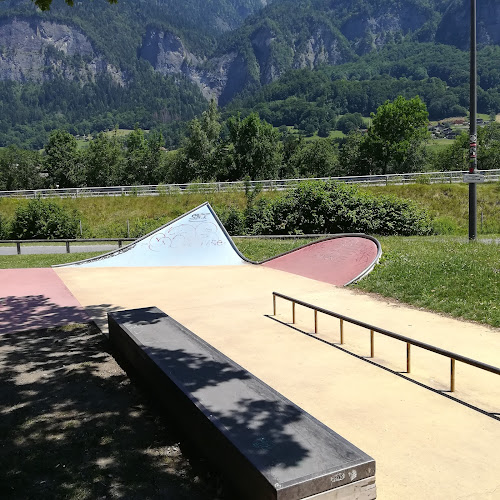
[473, 124]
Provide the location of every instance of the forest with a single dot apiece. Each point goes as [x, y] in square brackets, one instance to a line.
[238, 148]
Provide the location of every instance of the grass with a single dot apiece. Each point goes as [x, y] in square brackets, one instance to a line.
[445, 275]
[261, 249]
[25, 261]
[438, 273]
[106, 217]
[436, 145]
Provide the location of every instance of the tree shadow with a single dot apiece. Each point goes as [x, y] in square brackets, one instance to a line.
[256, 419]
[262, 426]
[72, 425]
[36, 311]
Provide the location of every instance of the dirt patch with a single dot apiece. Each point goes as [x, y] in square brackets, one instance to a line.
[73, 425]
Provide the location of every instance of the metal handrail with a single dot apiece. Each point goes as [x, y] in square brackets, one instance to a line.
[409, 341]
[67, 241]
[451, 176]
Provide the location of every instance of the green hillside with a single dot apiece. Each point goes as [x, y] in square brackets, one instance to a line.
[301, 63]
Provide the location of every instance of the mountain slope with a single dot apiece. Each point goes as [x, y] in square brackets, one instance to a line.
[296, 34]
[79, 67]
[157, 61]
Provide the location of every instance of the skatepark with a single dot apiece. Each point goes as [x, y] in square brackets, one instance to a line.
[427, 442]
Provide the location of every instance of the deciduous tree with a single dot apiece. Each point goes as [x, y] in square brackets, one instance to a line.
[396, 138]
[63, 162]
[258, 151]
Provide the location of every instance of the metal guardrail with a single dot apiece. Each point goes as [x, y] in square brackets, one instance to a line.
[266, 185]
[68, 242]
[409, 342]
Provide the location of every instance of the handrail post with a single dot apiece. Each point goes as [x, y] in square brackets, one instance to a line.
[274, 305]
[18, 246]
[293, 313]
[452, 381]
[372, 343]
[67, 246]
[408, 357]
[315, 321]
[120, 243]
[341, 331]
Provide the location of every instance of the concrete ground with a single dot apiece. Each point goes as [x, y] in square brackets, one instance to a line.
[36, 298]
[426, 445]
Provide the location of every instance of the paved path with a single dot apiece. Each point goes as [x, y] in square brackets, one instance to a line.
[426, 445]
[54, 249]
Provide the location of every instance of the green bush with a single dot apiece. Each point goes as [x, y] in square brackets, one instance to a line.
[333, 207]
[233, 219]
[44, 219]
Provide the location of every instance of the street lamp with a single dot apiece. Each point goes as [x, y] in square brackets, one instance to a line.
[473, 124]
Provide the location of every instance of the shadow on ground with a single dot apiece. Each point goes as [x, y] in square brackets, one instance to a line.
[182, 371]
[72, 425]
[36, 311]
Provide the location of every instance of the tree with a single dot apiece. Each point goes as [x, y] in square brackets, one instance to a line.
[199, 157]
[45, 4]
[350, 122]
[20, 169]
[135, 161]
[103, 160]
[456, 156]
[354, 157]
[62, 161]
[395, 141]
[315, 159]
[257, 149]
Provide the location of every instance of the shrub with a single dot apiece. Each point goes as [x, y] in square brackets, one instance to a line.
[397, 216]
[333, 207]
[44, 219]
[233, 219]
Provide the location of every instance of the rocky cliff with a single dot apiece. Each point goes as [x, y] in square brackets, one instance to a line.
[32, 49]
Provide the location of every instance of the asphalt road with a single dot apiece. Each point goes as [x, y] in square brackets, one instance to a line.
[53, 249]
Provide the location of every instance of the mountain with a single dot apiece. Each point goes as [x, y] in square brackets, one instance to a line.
[157, 62]
[79, 67]
[297, 34]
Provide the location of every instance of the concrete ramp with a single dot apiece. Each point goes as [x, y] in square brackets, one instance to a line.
[197, 238]
[339, 260]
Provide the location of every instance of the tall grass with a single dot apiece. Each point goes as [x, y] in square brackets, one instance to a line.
[107, 216]
[448, 205]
